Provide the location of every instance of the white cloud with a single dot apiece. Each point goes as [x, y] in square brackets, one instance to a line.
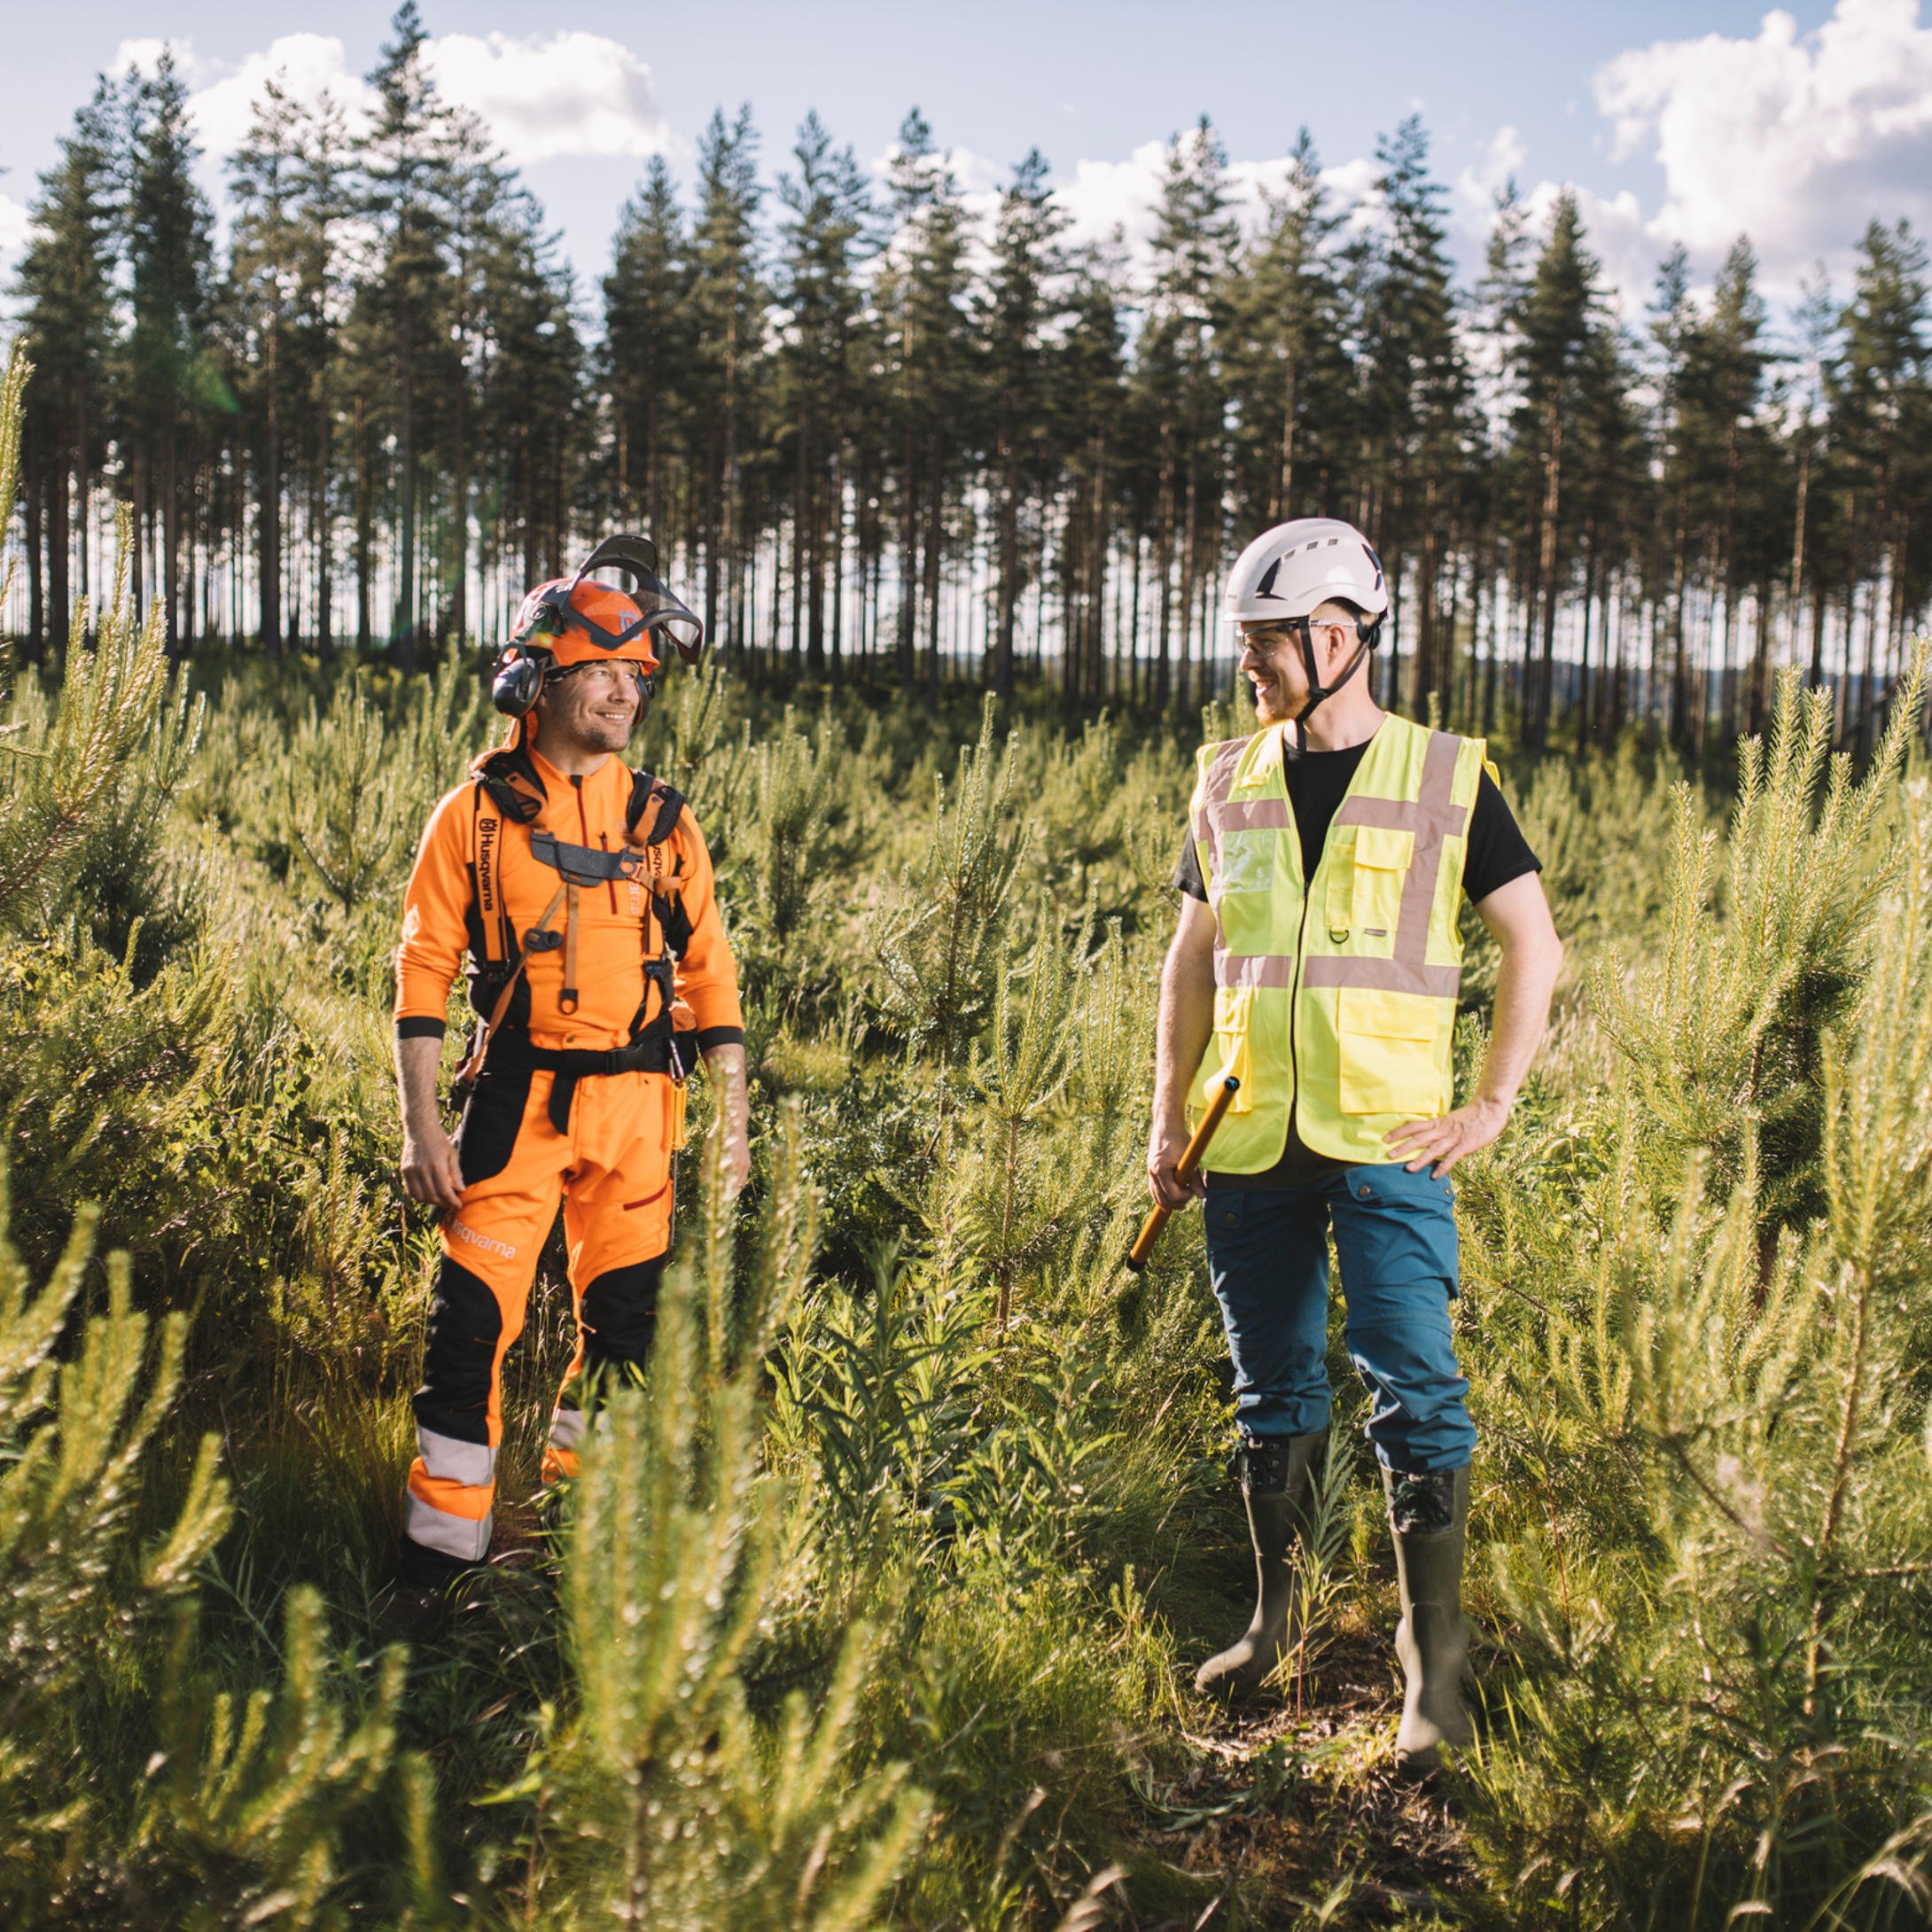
[1101, 196]
[573, 93]
[144, 56]
[540, 98]
[309, 67]
[1797, 140]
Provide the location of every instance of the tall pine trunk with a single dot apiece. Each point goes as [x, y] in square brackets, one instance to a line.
[1552, 481]
[270, 512]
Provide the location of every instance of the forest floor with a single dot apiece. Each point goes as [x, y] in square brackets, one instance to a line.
[1293, 1804]
[1289, 1807]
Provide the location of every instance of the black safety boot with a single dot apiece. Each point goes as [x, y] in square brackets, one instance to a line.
[419, 1603]
[414, 1613]
[1429, 1513]
[1277, 1480]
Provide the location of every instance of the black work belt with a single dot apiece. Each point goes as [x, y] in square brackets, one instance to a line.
[655, 1052]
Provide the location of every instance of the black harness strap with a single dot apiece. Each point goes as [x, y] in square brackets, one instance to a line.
[651, 1049]
[670, 806]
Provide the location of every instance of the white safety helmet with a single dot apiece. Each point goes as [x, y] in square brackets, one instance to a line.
[1286, 572]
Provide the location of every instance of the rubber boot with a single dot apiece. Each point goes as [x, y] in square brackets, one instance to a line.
[1429, 1513]
[1278, 1482]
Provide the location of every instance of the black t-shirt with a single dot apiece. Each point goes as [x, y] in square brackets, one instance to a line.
[1496, 853]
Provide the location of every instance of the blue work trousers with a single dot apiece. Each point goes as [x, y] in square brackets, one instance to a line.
[1395, 1236]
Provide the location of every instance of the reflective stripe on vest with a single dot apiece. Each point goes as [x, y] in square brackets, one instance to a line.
[1337, 1000]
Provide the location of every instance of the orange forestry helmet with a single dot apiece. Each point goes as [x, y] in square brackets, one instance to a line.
[571, 621]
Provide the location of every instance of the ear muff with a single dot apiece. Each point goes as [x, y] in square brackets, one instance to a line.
[519, 684]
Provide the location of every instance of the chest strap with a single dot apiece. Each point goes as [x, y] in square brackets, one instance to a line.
[584, 865]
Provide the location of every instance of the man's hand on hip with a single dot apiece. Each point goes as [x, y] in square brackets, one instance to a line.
[1439, 1144]
[1164, 1147]
[431, 1170]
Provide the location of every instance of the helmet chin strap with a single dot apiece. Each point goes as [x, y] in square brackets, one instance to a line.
[1294, 741]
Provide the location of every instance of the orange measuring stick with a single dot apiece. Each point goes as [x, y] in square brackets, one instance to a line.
[1189, 1167]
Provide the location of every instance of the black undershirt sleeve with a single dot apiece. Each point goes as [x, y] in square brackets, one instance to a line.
[1187, 875]
[1497, 851]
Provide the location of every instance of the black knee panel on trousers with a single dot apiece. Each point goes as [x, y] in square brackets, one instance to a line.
[464, 1327]
[620, 1312]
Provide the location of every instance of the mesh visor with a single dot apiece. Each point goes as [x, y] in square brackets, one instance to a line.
[664, 615]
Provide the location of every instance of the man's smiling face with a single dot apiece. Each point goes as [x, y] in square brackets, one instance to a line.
[1271, 661]
[594, 708]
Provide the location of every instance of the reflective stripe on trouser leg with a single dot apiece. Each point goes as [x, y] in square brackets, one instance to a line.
[451, 1518]
[447, 1507]
[568, 1427]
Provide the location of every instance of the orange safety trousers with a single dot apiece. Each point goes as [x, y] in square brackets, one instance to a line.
[610, 1165]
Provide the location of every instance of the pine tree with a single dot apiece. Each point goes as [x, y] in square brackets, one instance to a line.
[727, 304]
[1560, 315]
[323, 169]
[1415, 389]
[1018, 303]
[1881, 409]
[1495, 329]
[1816, 318]
[1721, 443]
[1194, 241]
[1088, 375]
[648, 348]
[1285, 352]
[822, 241]
[928, 364]
[406, 182]
[66, 289]
[1671, 318]
[265, 176]
[172, 375]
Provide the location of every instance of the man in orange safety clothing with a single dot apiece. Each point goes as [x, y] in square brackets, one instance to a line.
[598, 967]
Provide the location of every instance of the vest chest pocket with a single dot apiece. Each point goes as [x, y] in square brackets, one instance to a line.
[1387, 1042]
[1233, 1014]
[1383, 855]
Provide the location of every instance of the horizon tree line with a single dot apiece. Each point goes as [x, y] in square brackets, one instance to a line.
[878, 439]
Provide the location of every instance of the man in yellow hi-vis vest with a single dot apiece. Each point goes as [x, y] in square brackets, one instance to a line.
[1317, 959]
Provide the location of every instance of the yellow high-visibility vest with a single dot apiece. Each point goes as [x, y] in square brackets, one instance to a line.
[1335, 1001]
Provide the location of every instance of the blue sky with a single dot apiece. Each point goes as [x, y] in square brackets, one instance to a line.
[1672, 122]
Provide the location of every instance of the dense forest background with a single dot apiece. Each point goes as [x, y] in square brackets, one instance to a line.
[881, 437]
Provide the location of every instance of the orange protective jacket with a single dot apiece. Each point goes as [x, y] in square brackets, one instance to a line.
[618, 929]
